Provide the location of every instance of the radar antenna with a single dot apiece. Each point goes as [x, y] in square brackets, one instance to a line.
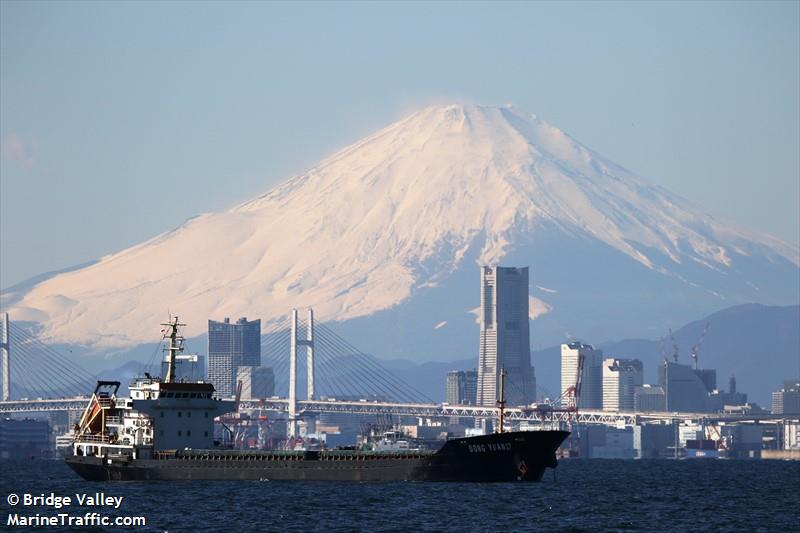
[174, 348]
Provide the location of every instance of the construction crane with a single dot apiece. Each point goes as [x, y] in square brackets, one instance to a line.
[674, 346]
[663, 348]
[566, 403]
[696, 347]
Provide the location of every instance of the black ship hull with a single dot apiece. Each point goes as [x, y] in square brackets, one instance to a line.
[515, 456]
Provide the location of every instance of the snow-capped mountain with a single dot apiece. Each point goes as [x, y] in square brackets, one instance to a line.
[386, 235]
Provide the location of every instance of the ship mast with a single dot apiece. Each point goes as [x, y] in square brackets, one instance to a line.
[501, 401]
[175, 346]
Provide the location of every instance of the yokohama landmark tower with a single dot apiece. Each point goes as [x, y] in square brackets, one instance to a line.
[505, 337]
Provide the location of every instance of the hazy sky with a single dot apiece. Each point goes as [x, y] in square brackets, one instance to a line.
[121, 120]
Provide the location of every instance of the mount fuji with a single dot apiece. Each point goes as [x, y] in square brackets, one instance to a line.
[385, 238]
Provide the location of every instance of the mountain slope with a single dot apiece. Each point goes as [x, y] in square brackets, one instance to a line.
[401, 218]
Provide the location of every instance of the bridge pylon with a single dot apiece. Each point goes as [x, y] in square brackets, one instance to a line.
[5, 347]
[308, 342]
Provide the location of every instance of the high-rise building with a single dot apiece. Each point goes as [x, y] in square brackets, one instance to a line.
[649, 398]
[461, 387]
[229, 347]
[686, 388]
[620, 379]
[592, 376]
[470, 386]
[505, 337]
[787, 399]
[257, 382]
[722, 401]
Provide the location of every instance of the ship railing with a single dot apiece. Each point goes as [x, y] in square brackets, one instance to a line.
[113, 420]
[92, 438]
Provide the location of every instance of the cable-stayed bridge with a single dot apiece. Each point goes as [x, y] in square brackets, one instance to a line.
[332, 376]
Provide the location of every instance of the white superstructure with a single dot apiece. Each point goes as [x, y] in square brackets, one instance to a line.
[159, 415]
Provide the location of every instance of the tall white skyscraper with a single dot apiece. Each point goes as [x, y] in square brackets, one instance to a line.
[620, 379]
[505, 337]
[592, 378]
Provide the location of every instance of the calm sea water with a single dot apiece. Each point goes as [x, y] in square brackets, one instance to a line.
[701, 495]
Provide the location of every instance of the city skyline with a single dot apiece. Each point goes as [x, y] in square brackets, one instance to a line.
[597, 201]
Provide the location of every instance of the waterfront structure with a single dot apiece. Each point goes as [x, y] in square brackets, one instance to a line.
[791, 435]
[787, 399]
[24, 438]
[505, 337]
[686, 388]
[653, 440]
[620, 379]
[461, 387]
[229, 347]
[592, 376]
[257, 382]
[649, 398]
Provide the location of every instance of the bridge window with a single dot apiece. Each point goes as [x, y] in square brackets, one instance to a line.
[180, 433]
[162, 414]
[193, 395]
[205, 413]
[188, 432]
[180, 414]
[189, 414]
[205, 433]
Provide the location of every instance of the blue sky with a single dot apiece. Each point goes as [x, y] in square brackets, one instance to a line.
[121, 120]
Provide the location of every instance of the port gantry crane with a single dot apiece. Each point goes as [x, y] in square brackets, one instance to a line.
[566, 403]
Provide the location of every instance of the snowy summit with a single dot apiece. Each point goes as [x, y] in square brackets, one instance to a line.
[384, 224]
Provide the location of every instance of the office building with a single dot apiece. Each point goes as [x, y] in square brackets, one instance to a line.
[725, 401]
[462, 387]
[620, 379]
[592, 375]
[686, 389]
[787, 399]
[229, 347]
[649, 398]
[257, 382]
[505, 337]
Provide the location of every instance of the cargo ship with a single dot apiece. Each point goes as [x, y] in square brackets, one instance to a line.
[165, 431]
